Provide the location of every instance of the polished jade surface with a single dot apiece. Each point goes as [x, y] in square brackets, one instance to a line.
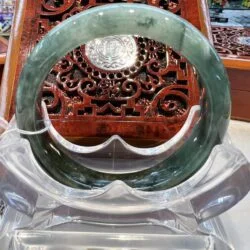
[132, 19]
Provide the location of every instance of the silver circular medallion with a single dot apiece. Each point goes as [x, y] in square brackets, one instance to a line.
[112, 52]
[244, 40]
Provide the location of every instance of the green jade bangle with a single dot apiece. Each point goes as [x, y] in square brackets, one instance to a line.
[126, 19]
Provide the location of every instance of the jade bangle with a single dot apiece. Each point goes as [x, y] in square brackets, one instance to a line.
[132, 19]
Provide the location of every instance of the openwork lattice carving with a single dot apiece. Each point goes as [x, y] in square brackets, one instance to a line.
[54, 11]
[232, 41]
[149, 98]
[159, 87]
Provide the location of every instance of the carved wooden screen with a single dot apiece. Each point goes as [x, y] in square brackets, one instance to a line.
[233, 45]
[232, 41]
[154, 94]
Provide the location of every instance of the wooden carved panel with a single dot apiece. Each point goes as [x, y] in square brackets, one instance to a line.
[233, 45]
[153, 95]
[232, 41]
[150, 98]
[54, 11]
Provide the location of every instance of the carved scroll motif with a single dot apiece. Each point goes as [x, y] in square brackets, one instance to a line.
[157, 86]
[55, 11]
[160, 86]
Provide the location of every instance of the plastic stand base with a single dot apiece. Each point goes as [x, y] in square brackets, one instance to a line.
[41, 213]
[27, 240]
[79, 234]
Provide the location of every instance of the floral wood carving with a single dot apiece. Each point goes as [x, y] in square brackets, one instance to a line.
[232, 41]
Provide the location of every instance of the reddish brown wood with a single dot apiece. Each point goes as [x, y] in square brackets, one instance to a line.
[152, 104]
[1, 71]
[227, 41]
[3, 49]
[241, 104]
[236, 57]
[240, 79]
[240, 82]
[151, 99]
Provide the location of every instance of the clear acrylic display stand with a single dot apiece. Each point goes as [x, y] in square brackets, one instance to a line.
[40, 213]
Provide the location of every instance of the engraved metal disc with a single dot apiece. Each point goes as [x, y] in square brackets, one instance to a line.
[112, 52]
[244, 40]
